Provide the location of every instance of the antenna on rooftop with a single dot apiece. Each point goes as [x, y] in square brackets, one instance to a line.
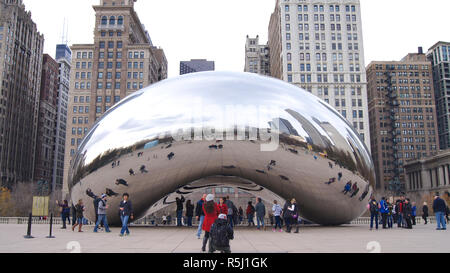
[65, 33]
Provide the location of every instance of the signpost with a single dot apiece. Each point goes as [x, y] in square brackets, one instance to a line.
[40, 205]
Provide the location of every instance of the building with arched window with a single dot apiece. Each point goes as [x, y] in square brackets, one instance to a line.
[106, 71]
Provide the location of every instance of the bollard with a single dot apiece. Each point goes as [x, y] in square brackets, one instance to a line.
[28, 236]
[51, 226]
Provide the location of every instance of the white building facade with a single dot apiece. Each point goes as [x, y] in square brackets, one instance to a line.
[257, 58]
[319, 48]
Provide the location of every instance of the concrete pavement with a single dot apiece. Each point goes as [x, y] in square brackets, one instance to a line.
[311, 239]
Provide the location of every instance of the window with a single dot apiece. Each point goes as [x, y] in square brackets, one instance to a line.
[112, 20]
[98, 109]
[104, 20]
[120, 20]
[102, 44]
[119, 44]
[116, 99]
[110, 44]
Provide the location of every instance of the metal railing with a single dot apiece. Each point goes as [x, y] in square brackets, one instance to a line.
[147, 221]
[35, 220]
[366, 220]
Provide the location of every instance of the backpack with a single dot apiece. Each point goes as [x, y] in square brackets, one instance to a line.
[373, 206]
[219, 235]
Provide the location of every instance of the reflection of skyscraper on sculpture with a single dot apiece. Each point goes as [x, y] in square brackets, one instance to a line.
[314, 136]
[285, 127]
[337, 138]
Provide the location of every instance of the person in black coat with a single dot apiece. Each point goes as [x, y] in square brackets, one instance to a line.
[189, 212]
[425, 212]
[180, 202]
[126, 213]
[287, 215]
[407, 213]
[200, 215]
[221, 233]
[440, 209]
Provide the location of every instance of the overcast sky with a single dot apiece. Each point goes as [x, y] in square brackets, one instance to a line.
[216, 29]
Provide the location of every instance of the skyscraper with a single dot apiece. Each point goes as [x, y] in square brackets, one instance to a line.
[257, 58]
[402, 116]
[63, 58]
[121, 61]
[196, 65]
[318, 46]
[439, 55]
[21, 47]
[48, 105]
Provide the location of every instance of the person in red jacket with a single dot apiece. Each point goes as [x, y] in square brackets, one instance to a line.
[212, 211]
[223, 207]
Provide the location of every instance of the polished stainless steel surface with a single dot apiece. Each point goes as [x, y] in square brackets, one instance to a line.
[247, 128]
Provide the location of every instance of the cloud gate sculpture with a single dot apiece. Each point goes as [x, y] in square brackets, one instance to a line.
[199, 130]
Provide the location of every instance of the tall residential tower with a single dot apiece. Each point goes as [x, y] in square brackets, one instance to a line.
[21, 47]
[121, 61]
[402, 117]
[48, 104]
[318, 45]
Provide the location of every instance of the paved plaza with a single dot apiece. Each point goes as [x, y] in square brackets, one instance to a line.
[311, 239]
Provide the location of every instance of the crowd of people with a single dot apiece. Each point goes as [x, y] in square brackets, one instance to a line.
[125, 211]
[217, 220]
[403, 213]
